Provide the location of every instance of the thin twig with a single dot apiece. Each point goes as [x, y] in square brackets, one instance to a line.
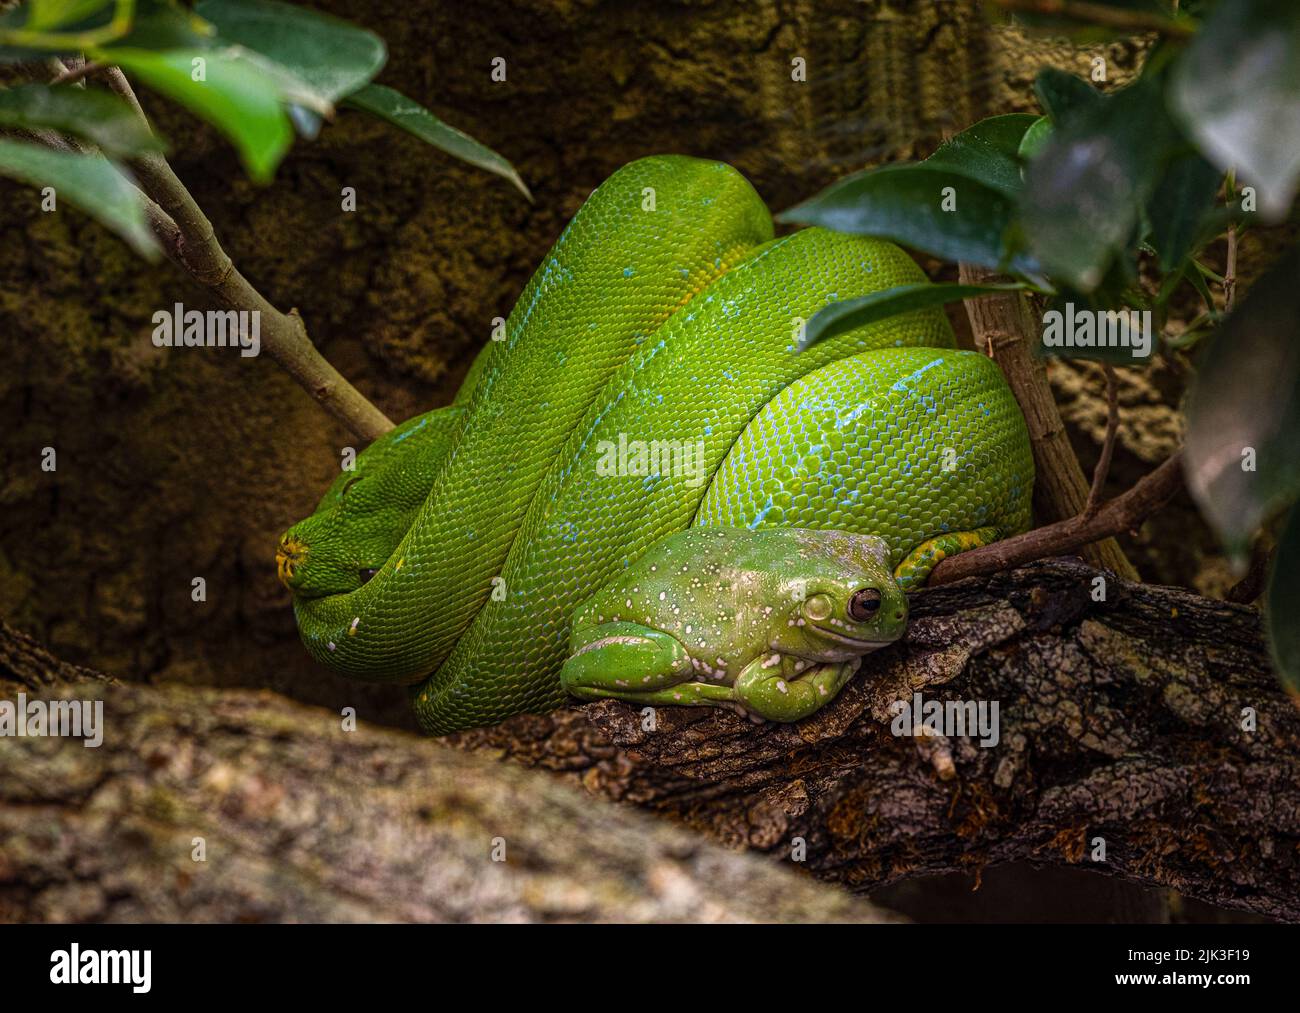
[1230, 270]
[76, 73]
[1252, 585]
[188, 239]
[1123, 513]
[1100, 14]
[1108, 444]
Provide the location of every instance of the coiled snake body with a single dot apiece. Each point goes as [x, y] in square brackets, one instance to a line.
[648, 381]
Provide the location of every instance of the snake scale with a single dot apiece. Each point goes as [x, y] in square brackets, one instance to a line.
[453, 556]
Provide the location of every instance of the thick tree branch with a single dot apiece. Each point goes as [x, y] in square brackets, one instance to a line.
[1001, 327]
[1150, 719]
[302, 821]
[191, 243]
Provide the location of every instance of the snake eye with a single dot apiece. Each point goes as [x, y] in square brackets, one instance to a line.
[367, 572]
[864, 604]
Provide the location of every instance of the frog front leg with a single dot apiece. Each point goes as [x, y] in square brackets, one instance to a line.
[768, 688]
[628, 661]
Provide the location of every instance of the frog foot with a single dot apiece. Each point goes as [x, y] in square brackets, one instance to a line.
[764, 688]
[628, 661]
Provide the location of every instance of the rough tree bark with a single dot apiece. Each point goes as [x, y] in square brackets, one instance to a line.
[302, 821]
[1120, 719]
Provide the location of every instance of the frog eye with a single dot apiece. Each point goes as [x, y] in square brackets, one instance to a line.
[864, 604]
[366, 572]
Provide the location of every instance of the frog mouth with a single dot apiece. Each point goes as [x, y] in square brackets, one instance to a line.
[865, 646]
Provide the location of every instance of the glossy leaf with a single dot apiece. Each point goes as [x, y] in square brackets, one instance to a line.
[47, 14]
[850, 314]
[1063, 95]
[987, 152]
[333, 57]
[1243, 437]
[1283, 605]
[1111, 314]
[155, 24]
[412, 117]
[96, 116]
[905, 203]
[236, 97]
[1035, 139]
[1180, 205]
[1085, 190]
[89, 182]
[1237, 90]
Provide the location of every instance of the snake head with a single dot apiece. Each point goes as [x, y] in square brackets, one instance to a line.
[327, 554]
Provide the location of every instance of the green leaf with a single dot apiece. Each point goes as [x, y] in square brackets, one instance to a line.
[1112, 313]
[1063, 95]
[1035, 139]
[332, 56]
[1245, 409]
[403, 112]
[96, 116]
[1237, 90]
[47, 14]
[1085, 191]
[238, 99]
[987, 152]
[840, 317]
[90, 182]
[1177, 210]
[155, 24]
[1282, 605]
[905, 203]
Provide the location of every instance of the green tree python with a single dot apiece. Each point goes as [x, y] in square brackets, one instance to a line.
[648, 383]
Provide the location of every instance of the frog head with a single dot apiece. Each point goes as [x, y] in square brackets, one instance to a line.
[844, 601]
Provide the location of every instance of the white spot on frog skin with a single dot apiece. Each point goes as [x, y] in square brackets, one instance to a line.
[688, 629]
[663, 595]
[799, 666]
[772, 661]
[332, 646]
[781, 686]
[352, 630]
[821, 689]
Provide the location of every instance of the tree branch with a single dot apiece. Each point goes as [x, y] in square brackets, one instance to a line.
[1122, 719]
[1001, 327]
[1102, 470]
[1123, 513]
[302, 821]
[191, 243]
